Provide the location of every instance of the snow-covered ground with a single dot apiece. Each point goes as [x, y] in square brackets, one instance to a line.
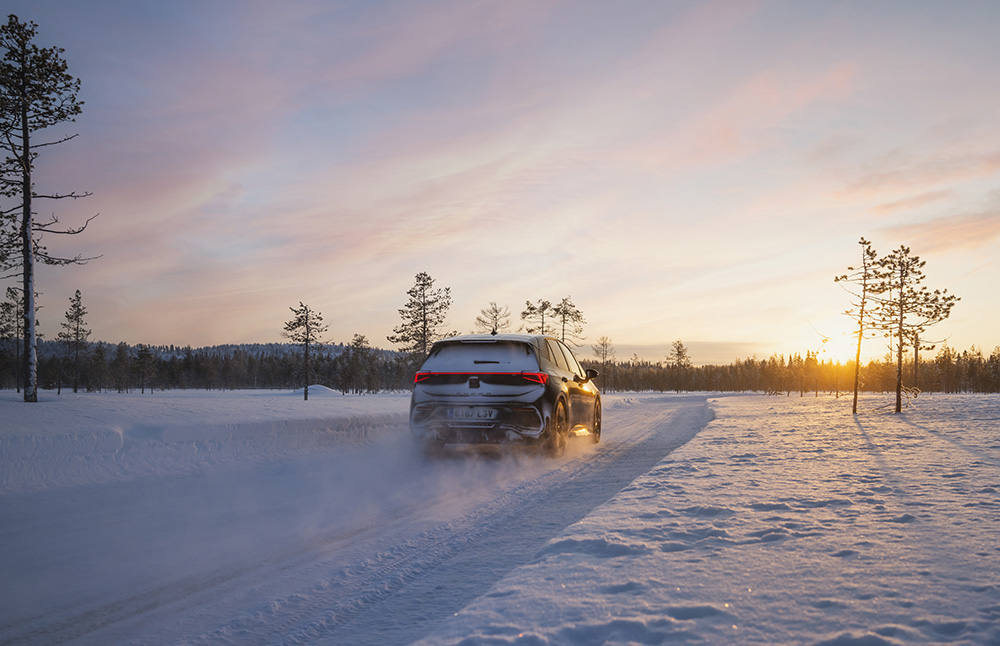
[75, 439]
[784, 521]
[250, 517]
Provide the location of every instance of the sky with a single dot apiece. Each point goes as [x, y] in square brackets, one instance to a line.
[682, 170]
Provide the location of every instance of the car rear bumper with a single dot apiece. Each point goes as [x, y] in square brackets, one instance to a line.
[498, 424]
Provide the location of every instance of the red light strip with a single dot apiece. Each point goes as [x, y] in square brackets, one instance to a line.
[536, 377]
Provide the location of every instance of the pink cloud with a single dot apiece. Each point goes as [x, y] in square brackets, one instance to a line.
[913, 202]
[950, 233]
[901, 173]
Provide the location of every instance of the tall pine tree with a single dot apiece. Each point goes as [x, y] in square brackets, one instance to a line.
[422, 316]
[534, 316]
[863, 283]
[906, 307]
[36, 93]
[569, 320]
[74, 334]
[305, 329]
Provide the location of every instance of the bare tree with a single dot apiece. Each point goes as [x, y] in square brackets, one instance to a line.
[570, 320]
[863, 283]
[604, 350]
[906, 307]
[534, 315]
[36, 93]
[305, 329]
[494, 319]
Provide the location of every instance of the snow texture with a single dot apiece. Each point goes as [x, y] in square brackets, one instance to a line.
[72, 440]
[784, 521]
[250, 517]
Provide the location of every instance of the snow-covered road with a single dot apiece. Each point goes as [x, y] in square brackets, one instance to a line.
[350, 542]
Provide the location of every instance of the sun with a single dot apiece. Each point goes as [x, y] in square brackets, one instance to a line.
[835, 340]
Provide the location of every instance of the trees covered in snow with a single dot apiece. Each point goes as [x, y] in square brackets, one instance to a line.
[305, 328]
[36, 93]
[422, 316]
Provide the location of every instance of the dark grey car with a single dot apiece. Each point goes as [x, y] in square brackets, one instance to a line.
[504, 388]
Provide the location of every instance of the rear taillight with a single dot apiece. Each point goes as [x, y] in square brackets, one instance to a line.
[509, 378]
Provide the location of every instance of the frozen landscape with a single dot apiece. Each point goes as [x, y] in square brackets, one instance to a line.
[255, 517]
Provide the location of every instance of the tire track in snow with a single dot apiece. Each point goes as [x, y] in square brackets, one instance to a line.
[390, 581]
[404, 593]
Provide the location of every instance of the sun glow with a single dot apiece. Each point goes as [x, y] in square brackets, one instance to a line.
[832, 338]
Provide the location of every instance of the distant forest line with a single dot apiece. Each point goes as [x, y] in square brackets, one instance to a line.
[351, 369]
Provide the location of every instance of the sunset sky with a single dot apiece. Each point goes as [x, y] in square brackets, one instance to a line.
[682, 170]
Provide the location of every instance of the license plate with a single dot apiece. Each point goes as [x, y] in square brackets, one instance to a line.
[472, 413]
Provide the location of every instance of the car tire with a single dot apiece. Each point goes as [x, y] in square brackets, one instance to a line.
[595, 428]
[558, 432]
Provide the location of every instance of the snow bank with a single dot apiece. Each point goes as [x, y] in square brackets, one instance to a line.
[318, 390]
[784, 521]
[96, 438]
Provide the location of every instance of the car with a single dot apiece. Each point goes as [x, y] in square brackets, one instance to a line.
[503, 389]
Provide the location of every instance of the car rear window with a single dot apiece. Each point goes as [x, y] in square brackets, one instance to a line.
[496, 356]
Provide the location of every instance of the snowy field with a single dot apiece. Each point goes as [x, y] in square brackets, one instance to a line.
[784, 521]
[255, 517]
[91, 438]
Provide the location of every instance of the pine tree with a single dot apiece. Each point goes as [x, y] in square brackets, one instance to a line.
[121, 366]
[360, 368]
[10, 320]
[422, 316]
[534, 315]
[98, 369]
[144, 365]
[493, 319]
[865, 280]
[36, 93]
[679, 356]
[570, 321]
[907, 308]
[679, 361]
[74, 334]
[305, 329]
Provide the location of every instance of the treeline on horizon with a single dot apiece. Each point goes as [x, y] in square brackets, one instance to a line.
[361, 369]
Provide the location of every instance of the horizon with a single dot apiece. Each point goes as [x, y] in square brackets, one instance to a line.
[707, 168]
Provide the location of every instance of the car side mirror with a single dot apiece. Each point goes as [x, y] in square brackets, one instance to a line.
[591, 373]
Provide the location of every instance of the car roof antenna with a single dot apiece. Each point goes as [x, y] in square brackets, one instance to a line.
[494, 332]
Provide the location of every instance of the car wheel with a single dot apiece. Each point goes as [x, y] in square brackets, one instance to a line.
[595, 429]
[555, 441]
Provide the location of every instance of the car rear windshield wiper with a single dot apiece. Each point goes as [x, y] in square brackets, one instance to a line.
[484, 361]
